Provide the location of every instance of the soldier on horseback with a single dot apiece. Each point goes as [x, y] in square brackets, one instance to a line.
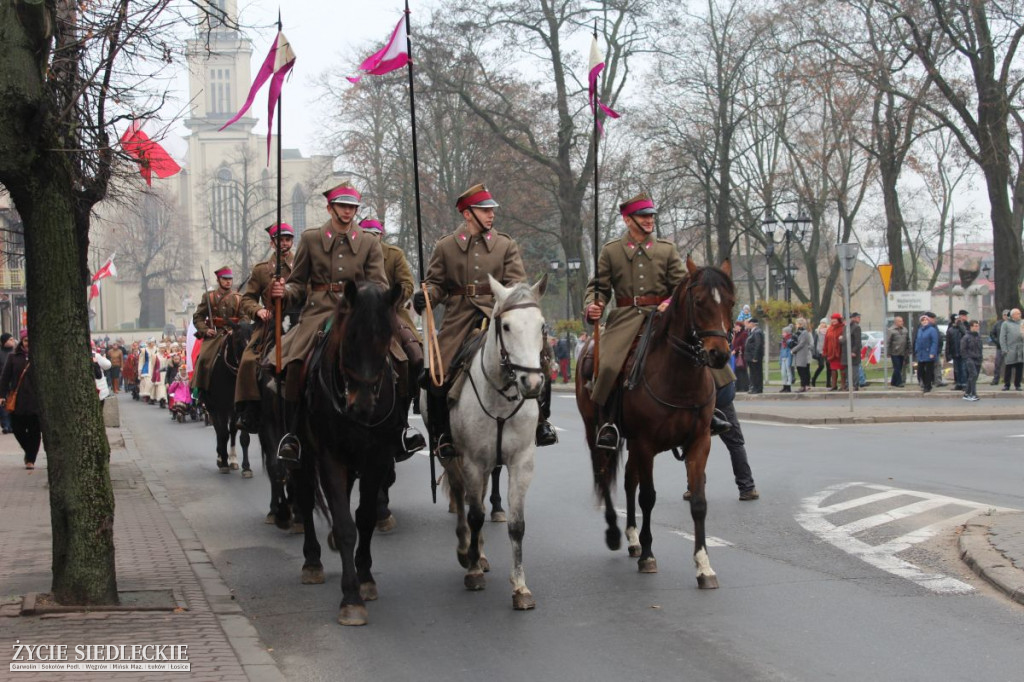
[338, 250]
[457, 277]
[641, 272]
[256, 304]
[216, 310]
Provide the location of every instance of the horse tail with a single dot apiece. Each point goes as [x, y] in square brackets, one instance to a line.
[606, 469]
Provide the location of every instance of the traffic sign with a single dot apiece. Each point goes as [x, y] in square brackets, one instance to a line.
[885, 271]
[908, 301]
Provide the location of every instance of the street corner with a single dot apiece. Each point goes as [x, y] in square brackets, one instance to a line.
[992, 545]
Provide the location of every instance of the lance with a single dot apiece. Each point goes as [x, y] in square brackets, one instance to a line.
[278, 402]
[206, 290]
[597, 238]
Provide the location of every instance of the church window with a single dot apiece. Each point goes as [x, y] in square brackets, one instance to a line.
[225, 218]
[220, 91]
[298, 209]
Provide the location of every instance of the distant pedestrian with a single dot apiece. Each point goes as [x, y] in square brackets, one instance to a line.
[1012, 343]
[739, 340]
[954, 334]
[7, 344]
[744, 314]
[581, 343]
[753, 353]
[819, 353]
[116, 356]
[926, 352]
[786, 359]
[834, 352]
[25, 414]
[803, 349]
[993, 336]
[970, 354]
[856, 346]
[562, 355]
[897, 345]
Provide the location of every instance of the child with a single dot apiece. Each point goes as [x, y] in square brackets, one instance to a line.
[970, 351]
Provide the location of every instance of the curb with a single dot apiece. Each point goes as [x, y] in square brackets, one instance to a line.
[988, 562]
[250, 650]
[877, 419]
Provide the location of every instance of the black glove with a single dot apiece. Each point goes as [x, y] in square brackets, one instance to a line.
[419, 302]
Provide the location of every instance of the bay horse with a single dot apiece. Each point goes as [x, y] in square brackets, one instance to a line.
[670, 408]
[350, 427]
[219, 399]
[493, 424]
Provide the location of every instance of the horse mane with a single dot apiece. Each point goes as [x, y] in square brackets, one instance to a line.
[518, 293]
[367, 322]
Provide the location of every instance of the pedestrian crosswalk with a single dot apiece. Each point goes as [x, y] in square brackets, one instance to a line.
[877, 522]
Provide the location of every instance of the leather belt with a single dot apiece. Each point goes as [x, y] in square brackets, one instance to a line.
[220, 321]
[637, 301]
[336, 288]
[472, 290]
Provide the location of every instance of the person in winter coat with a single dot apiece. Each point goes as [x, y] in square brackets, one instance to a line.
[970, 353]
[1012, 343]
[834, 350]
[926, 351]
[803, 348]
[753, 354]
[739, 340]
[25, 415]
[897, 345]
[786, 359]
[819, 353]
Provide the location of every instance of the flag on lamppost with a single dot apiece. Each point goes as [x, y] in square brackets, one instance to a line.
[596, 67]
[278, 63]
[107, 270]
[138, 141]
[391, 57]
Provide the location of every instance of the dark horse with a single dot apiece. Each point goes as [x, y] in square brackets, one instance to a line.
[350, 427]
[670, 407]
[220, 398]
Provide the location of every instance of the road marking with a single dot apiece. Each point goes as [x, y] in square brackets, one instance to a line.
[883, 556]
[709, 540]
[789, 426]
[1017, 435]
[567, 397]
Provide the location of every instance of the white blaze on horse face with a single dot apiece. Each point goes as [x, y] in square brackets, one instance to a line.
[700, 559]
[716, 296]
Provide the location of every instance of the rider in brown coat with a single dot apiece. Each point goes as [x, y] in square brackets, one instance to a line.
[216, 310]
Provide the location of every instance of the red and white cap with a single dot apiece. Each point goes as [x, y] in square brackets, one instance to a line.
[476, 196]
[224, 273]
[344, 193]
[641, 204]
[371, 225]
[283, 228]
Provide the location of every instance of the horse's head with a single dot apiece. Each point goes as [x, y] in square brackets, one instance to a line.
[239, 334]
[519, 327]
[364, 325]
[701, 310]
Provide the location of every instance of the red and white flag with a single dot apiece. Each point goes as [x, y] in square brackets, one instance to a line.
[142, 142]
[278, 63]
[107, 270]
[393, 56]
[596, 67]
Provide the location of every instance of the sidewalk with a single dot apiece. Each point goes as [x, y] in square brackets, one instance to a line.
[162, 569]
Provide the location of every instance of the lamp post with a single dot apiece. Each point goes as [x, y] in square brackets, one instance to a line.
[794, 229]
[571, 266]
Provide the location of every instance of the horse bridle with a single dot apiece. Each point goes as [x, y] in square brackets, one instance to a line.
[692, 347]
[508, 368]
[378, 386]
[224, 354]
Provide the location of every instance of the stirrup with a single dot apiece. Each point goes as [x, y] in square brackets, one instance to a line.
[445, 449]
[412, 442]
[289, 444]
[608, 428]
[546, 434]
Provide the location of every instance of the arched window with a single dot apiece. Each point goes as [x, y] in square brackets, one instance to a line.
[298, 209]
[224, 214]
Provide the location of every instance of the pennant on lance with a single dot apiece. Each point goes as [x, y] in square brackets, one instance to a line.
[278, 63]
[596, 67]
[393, 56]
[139, 141]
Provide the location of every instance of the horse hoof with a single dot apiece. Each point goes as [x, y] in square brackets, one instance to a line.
[247, 473]
[223, 469]
[707, 582]
[634, 551]
[330, 541]
[312, 575]
[270, 518]
[613, 538]
[463, 559]
[368, 591]
[475, 582]
[648, 565]
[234, 466]
[498, 517]
[387, 525]
[296, 529]
[485, 565]
[523, 601]
[352, 615]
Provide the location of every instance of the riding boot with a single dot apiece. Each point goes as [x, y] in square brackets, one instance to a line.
[719, 424]
[289, 450]
[440, 427]
[608, 434]
[546, 434]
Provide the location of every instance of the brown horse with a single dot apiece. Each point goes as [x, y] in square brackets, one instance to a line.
[669, 406]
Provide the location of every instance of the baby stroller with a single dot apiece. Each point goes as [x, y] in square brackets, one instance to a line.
[180, 399]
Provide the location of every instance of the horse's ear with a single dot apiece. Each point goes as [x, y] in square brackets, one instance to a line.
[691, 267]
[726, 267]
[349, 290]
[540, 287]
[500, 292]
[395, 295]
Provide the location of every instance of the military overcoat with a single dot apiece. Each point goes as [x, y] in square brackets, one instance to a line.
[324, 258]
[459, 265]
[397, 269]
[255, 298]
[216, 308]
[630, 269]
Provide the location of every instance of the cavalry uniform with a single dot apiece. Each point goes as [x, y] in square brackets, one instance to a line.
[256, 298]
[636, 276]
[325, 258]
[217, 308]
[397, 270]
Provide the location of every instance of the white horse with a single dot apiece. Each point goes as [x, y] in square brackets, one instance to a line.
[494, 421]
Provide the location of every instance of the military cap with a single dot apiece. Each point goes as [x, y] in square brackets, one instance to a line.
[641, 204]
[476, 196]
[344, 193]
[224, 272]
[283, 229]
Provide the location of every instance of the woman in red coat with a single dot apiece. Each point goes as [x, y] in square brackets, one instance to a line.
[833, 351]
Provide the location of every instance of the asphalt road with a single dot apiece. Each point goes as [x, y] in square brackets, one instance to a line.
[809, 587]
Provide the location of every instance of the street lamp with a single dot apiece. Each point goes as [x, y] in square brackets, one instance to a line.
[794, 229]
[572, 265]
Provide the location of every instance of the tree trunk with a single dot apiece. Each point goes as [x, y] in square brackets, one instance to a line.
[1005, 239]
[893, 225]
[78, 455]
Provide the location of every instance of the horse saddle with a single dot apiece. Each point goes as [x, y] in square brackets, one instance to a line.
[585, 367]
[456, 374]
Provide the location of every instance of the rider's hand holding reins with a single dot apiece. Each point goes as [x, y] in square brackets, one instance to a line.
[210, 333]
[594, 311]
[277, 288]
[663, 306]
[419, 302]
[264, 314]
